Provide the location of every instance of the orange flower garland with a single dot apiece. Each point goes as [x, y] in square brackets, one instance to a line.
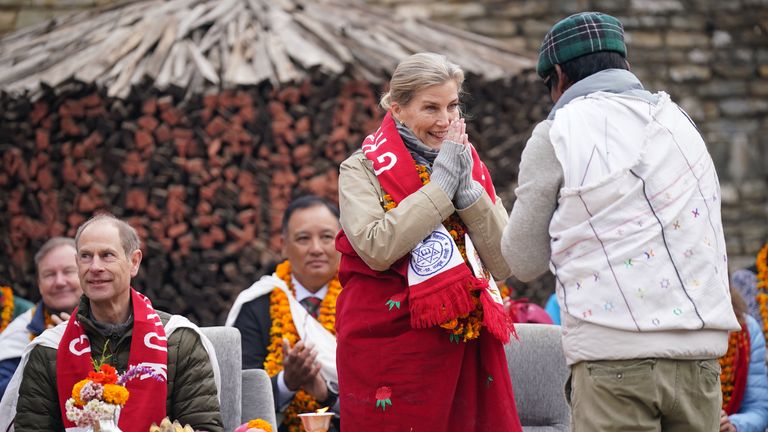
[48, 322]
[283, 327]
[7, 307]
[736, 340]
[465, 327]
[761, 262]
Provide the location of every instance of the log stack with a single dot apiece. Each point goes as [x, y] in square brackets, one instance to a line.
[202, 171]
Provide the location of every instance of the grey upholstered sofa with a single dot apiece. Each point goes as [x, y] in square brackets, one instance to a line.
[537, 366]
[238, 406]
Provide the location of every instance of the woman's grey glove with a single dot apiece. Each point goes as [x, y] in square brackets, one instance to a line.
[447, 168]
[468, 190]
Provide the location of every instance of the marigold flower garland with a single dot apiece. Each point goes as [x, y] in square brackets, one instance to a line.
[283, 327]
[465, 327]
[761, 262]
[736, 342]
[48, 322]
[7, 307]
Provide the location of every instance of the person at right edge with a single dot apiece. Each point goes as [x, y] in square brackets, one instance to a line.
[744, 381]
[618, 196]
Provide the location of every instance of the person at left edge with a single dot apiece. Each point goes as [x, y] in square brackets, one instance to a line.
[59, 291]
[116, 324]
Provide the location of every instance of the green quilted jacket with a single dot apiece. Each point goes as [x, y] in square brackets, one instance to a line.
[192, 397]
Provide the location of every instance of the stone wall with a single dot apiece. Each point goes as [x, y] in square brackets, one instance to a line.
[710, 55]
[15, 14]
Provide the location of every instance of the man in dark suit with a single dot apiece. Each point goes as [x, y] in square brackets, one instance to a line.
[287, 318]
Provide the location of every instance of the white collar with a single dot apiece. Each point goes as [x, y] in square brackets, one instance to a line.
[302, 293]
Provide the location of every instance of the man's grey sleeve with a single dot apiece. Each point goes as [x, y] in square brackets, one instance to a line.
[525, 243]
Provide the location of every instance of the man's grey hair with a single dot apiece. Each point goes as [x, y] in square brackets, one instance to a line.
[50, 245]
[129, 239]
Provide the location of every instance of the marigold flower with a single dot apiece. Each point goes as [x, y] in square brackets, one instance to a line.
[260, 424]
[6, 306]
[450, 325]
[115, 394]
[76, 391]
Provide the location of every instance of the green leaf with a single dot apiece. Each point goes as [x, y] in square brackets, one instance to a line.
[455, 338]
[383, 404]
[104, 357]
[391, 303]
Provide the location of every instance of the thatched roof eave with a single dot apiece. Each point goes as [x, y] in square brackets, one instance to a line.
[197, 45]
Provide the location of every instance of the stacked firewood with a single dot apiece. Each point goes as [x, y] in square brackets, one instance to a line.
[204, 179]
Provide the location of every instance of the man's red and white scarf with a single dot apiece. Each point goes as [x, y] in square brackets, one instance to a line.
[149, 348]
[439, 280]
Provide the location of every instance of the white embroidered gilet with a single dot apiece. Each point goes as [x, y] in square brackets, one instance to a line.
[637, 238]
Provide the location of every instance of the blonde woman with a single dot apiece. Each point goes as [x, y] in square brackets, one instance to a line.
[420, 324]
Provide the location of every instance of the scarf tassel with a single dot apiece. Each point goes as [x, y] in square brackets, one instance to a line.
[495, 320]
[449, 302]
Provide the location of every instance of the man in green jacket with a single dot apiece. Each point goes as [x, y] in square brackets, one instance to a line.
[115, 324]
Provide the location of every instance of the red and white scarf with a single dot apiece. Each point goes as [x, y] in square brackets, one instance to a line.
[146, 403]
[438, 277]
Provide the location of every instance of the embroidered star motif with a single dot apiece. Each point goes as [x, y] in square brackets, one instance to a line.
[596, 276]
[688, 253]
[628, 263]
[639, 223]
[587, 313]
[676, 225]
[707, 241]
[664, 283]
[641, 293]
[677, 311]
[608, 306]
[578, 285]
[695, 212]
[649, 254]
[656, 322]
[620, 231]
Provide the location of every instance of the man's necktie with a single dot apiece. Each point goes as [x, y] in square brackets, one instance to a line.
[312, 305]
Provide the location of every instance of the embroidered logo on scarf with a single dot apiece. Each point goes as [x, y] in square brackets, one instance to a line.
[431, 255]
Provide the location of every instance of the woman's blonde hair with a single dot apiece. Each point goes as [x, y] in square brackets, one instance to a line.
[417, 72]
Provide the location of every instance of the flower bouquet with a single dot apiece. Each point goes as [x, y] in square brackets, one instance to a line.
[255, 425]
[96, 400]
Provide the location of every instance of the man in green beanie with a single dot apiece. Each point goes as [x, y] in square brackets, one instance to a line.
[618, 197]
